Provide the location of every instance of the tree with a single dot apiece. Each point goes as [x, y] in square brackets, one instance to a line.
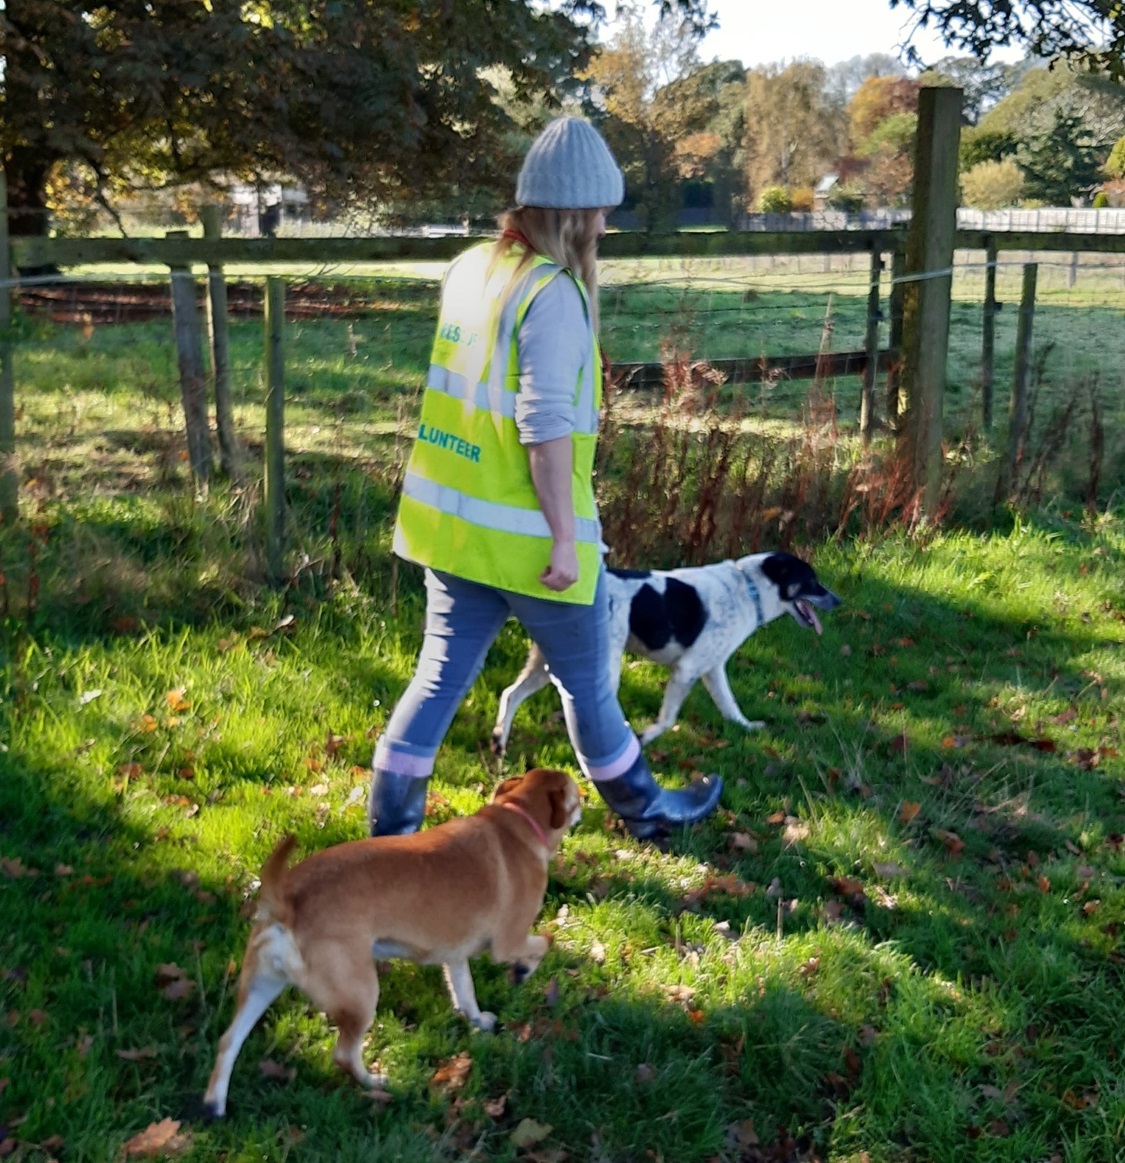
[983, 145]
[845, 77]
[1063, 164]
[356, 98]
[981, 84]
[1029, 110]
[793, 131]
[992, 185]
[1089, 31]
[652, 96]
[877, 99]
[889, 150]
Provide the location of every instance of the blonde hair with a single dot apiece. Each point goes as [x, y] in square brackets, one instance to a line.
[568, 237]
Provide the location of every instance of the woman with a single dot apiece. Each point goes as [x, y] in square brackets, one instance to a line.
[498, 499]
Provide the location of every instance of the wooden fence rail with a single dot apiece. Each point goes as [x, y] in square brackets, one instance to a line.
[313, 252]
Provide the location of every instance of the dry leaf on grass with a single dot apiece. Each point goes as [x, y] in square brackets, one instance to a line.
[529, 1132]
[137, 1055]
[908, 810]
[173, 983]
[162, 1138]
[453, 1071]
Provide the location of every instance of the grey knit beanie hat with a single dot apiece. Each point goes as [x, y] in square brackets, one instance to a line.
[569, 167]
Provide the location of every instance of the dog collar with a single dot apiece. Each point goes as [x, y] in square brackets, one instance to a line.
[755, 597]
[535, 826]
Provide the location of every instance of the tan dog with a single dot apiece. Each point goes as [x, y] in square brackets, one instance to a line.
[437, 897]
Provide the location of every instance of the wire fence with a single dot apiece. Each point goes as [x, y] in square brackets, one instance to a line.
[97, 375]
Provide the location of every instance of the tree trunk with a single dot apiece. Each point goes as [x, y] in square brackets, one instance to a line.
[27, 170]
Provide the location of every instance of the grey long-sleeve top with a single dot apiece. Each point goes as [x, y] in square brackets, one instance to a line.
[554, 343]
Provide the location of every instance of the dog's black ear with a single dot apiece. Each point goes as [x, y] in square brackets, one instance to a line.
[507, 787]
[557, 798]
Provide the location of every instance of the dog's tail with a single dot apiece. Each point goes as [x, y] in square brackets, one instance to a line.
[272, 902]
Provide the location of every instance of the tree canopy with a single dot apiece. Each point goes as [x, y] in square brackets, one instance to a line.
[1088, 31]
[351, 97]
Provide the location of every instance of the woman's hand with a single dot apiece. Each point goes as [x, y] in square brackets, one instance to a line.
[562, 572]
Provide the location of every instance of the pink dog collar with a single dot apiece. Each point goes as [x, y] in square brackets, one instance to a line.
[535, 825]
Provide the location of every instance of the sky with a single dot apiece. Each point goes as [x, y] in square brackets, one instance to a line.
[758, 32]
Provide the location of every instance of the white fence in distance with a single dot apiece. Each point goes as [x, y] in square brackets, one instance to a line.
[1106, 220]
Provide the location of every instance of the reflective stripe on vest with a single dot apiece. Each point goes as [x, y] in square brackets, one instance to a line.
[489, 514]
[469, 506]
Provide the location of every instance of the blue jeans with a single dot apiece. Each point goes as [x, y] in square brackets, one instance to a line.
[462, 621]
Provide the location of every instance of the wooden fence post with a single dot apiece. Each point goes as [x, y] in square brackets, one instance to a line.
[275, 426]
[868, 420]
[894, 338]
[988, 334]
[230, 452]
[1021, 383]
[9, 474]
[929, 274]
[189, 353]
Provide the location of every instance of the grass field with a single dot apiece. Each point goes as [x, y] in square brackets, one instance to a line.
[899, 940]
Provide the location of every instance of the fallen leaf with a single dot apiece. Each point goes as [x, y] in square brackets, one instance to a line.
[908, 810]
[162, 1138]
[889, 870]
[846, 886]
[644, 1073]
[137, 1055]
[88, 697]
[529, 1132]
[597, 953]
[794, 831]
[954, 845]
[453, 1071]
[495, 1107]
[742, 1134]
[742, 842]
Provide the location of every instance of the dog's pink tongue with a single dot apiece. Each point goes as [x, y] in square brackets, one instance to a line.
[810, 613]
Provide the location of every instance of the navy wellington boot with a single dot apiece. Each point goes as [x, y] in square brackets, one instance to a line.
[650, 811]
[397, 803]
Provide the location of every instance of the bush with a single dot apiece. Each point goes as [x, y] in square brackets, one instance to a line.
[775, 200]
[802, 199]
[848, 198]
[992, 185]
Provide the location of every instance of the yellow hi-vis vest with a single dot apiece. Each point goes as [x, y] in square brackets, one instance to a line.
[468, 505]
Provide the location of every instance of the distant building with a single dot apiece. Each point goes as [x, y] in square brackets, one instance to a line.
[822, 190]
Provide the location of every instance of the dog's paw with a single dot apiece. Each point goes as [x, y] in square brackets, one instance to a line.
[754, 725]
[212, 1110]
[374, 1081]
[497, 745]
[484, 1021]
[519, 972]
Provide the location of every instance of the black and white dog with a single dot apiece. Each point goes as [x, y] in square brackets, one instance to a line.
[691, 620]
